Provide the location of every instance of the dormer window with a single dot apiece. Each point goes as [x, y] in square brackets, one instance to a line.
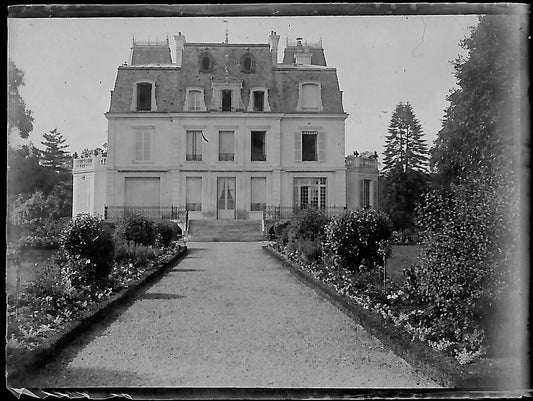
[247, 63]
[226, 100]
[143, 96]
[310, 97]
[226, 94]
[194, 100]
[206, 62]
[258, 100]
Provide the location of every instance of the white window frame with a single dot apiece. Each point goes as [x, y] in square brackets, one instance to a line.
[299, 106]
[189, 132]
[218, 87]
[143, 132]
[299, 182]
[234, 146]
[266, 105]
[153, 105]
[201, 107]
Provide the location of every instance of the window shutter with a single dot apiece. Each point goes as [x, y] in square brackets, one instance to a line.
[295, 194]
[298, 146]
[321, 146]
[139, 146]
[147, 146]
[361, 193]
[376, 189]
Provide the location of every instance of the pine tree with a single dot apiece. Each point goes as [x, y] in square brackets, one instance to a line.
[404, 174]
[405, 147]
[54, 154]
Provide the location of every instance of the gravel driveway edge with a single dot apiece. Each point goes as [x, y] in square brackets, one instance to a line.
[40, 356]
[437, 367]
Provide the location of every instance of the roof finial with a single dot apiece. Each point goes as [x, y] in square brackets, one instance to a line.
[226, 22]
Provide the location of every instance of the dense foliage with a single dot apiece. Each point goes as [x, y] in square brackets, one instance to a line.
[305, 233]
[70, 283]
[482, 125]
[469, 256]
[19, 118]
[353, 238]
[88, 249]
[166, 232]
[404, 176]
[405, 147]
[137, 228]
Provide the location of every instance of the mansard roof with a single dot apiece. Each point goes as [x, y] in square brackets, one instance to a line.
[149, 54]
[317, 55]
[172, 81]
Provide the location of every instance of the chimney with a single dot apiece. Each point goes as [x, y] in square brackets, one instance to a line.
[273, 42]
[180, 44]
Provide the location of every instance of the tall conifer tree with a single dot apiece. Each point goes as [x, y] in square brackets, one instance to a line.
[405, 147]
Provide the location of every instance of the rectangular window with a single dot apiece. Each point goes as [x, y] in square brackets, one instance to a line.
[194, 193]
[309, 146]
[258, 150]
[143, 146]
[144, 96]
[259, 100]
[195, 100]
[310, 94]
[226, 146]
[226, 100]
[310, 192]
[366, 193]
[258, 199]
[194, 146]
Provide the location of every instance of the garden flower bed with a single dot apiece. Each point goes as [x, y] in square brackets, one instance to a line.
[395, 323]
[44, 318]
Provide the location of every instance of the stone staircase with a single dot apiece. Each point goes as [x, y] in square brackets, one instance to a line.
[225, 230]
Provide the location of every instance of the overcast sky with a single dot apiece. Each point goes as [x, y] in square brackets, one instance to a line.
[70, 65]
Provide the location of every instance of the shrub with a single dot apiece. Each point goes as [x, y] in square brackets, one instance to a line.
[88, 247]
[282, 233]
[308, 224]
[166, 232]
[306, 232]
[353, 238]
[469, 245]
[137, 228]
[138, 255]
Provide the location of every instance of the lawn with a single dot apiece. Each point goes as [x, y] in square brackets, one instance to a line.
[402, 256]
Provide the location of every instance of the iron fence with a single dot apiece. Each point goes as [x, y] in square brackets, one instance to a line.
[178, 213]
[288, 212]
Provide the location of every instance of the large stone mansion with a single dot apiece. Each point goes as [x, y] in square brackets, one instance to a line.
[224, 132]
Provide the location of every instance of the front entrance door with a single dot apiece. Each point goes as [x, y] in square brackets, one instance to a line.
[226, 198]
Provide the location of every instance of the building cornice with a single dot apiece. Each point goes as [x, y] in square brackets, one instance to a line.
[202, 115]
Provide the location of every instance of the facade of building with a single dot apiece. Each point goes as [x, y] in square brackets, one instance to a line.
[225, 132]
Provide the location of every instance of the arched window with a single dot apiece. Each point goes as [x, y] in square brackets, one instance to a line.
[194, 100]
[310, 97]
[206, 62]
[247, 63]
[143, 96]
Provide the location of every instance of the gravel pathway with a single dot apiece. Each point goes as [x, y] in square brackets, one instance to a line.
[229, 315]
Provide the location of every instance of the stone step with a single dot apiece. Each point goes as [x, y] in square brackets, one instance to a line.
[225, 230]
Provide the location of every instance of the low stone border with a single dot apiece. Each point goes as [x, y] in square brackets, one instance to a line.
[41, 355]
[444, 370]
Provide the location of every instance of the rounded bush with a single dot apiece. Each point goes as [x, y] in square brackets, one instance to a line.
[87, 243]
[353, 238]
[137, 228]
[166, 232]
